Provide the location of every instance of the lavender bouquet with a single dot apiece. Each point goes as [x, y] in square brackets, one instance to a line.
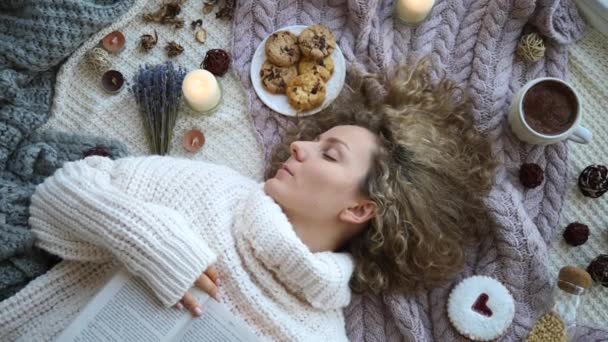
[158, 93]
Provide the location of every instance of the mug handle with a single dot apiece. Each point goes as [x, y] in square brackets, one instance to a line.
[581, 135]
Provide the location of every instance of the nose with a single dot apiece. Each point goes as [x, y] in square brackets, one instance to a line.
[298, 151]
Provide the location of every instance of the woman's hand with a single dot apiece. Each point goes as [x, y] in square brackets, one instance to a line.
[209, 282]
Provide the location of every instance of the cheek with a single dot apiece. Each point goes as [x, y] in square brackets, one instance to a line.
[330, 181]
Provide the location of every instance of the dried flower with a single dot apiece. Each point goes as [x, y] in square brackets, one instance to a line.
[226, 11]
[148, 41]
[598, 269]
[208, 6]
[576, 234]
[531, 175]
[157, 91]
[167, 15]
[216, 61]
[196, 23]
[173, 49]
[593, 181]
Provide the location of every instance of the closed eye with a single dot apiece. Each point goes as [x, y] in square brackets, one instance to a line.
[328, 157]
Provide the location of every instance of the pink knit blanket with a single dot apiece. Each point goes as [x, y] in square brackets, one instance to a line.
[475, 42]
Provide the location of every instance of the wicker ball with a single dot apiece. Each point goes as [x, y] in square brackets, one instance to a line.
[531, 47]
[98, 60]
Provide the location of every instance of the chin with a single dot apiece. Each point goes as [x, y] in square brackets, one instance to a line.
[272, 188]
[278, 191]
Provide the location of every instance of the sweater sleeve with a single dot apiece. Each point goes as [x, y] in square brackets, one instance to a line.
[79, 214]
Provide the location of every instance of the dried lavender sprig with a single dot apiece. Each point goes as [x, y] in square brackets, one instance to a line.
[157, 91]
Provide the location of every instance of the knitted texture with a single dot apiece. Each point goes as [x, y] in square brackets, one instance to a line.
[34, 159]
[229, 137]
[475, 42]
[588, 70]
[97, 211]
[35, 36]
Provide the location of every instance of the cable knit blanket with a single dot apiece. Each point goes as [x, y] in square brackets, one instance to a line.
[475, 41]
[35, 37]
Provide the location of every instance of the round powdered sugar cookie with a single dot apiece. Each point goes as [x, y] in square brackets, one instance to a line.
[481, 308]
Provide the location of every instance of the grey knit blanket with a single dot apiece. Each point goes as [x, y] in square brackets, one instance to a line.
[475, 42]
[35, 37]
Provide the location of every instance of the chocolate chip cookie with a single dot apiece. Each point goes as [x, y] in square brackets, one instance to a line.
[317, 42]
[306, 91]
[282, 49]
[322, 67]
[276, 78]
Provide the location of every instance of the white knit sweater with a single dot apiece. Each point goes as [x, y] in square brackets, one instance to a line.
[166, 220]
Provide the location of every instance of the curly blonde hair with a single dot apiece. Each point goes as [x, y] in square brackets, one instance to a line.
[428, 177]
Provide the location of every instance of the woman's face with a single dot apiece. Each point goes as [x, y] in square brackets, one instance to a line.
[323, 177]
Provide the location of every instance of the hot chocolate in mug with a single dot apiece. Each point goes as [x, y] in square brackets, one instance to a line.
[547, 110]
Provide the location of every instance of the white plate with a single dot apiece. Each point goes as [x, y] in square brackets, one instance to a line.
[279, 102]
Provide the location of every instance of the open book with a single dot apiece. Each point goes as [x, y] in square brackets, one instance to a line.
[125, 309]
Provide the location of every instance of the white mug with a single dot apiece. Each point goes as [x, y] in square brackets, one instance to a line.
[524, 132]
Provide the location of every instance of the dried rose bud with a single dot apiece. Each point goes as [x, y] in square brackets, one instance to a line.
[598, 269]
[97, 151]
[593, 181]
[216, 61]
[531, 175]
[576, 234]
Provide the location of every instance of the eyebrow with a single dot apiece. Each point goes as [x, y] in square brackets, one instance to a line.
[337, 141]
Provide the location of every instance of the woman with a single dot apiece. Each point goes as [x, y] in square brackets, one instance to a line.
[361, 197]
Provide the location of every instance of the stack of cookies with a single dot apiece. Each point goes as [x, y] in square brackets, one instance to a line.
[299, 66]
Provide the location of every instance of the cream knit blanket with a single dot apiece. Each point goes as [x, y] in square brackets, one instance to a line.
[588, 72]
[81, 105]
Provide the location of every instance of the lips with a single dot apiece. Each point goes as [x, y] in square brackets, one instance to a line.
[287, 169]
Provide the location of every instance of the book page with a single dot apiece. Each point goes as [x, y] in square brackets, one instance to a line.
[216, 324]
[125, 310]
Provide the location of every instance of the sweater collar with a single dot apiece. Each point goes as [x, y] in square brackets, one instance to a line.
[266, 238]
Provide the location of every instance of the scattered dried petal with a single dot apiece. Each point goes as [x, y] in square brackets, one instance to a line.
[201, 36]
[196, 23]
[208, 8]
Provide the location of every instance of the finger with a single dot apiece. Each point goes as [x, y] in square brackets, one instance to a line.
[213, 274]
[192, 304]
[179, 305]
[204, 283]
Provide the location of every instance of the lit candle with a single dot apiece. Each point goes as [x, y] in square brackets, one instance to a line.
[413, 11]
[114, 42]
[201, 90]
[193, 140]
[112, 81]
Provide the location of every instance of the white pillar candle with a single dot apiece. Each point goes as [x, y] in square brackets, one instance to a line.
[201, 90]
[413, 11]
